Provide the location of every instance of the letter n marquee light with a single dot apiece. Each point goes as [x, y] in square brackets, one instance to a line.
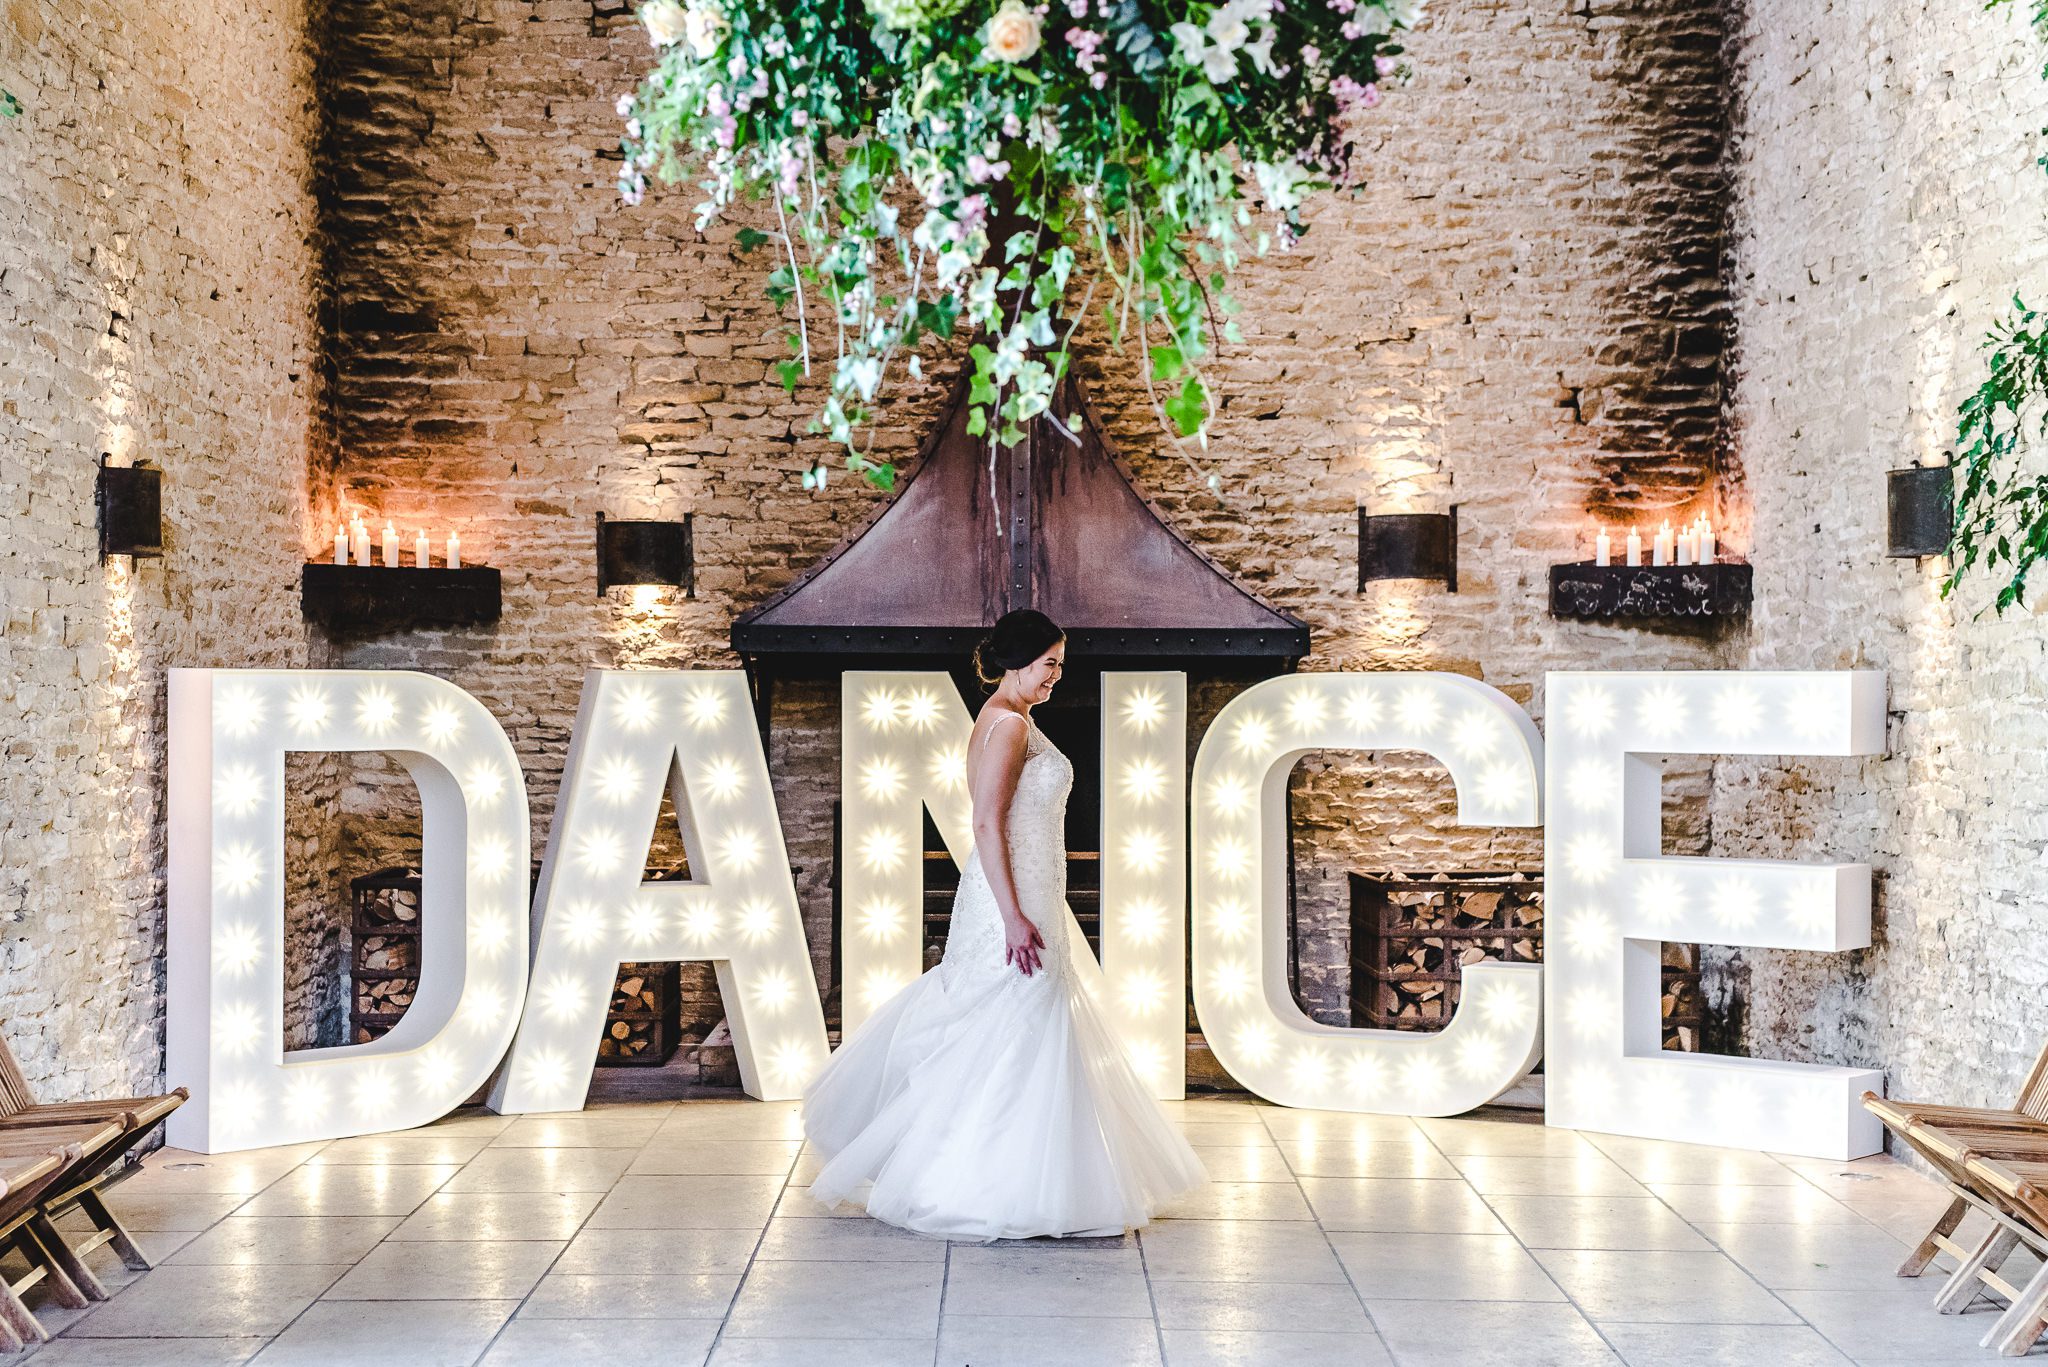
[903, 750]
[1612, 898]
[638, 733]
[230, 732]
[1258, 1031]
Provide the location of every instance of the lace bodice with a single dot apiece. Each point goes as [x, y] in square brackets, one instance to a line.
[1036, 828]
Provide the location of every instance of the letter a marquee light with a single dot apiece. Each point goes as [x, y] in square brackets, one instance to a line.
[230, 732]
[637, 733]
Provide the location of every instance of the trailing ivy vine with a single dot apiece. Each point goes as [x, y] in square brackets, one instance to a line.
[2001, 502]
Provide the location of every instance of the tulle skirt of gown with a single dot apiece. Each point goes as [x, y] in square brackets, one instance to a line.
[979, 1103]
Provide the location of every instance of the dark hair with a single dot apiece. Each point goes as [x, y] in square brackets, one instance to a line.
[1013, 642]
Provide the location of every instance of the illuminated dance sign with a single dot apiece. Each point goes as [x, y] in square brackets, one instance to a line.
[524, 1011]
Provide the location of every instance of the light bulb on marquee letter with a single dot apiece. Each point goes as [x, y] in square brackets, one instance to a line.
[692, 733]
[1612, 898]
[903, 750]
[1258, 1031]
[230, 731]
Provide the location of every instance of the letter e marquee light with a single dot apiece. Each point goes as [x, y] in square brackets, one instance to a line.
[1613, 897]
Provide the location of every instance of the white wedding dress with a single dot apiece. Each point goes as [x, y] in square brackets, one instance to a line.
[981, 1103]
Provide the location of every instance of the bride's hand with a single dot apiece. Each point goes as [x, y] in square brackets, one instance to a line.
[1022, 945]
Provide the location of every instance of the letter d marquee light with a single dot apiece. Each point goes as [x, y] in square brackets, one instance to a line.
[230, 732]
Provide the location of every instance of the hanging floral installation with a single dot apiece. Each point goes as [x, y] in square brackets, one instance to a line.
[1130, 154]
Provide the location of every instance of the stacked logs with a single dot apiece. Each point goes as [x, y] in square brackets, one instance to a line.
[1413, 935]
[385, 950]
[641, 1028]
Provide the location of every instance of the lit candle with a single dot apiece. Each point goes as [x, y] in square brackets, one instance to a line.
[1660, 547]
[1603, 549]
[390, 546]
[1707, 542]
[420, 554]
[340, 544]
[1635, 548]
[455, 550]
[1685, 545]
[361, 542]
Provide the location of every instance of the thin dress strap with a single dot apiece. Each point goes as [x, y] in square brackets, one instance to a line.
[998, 722]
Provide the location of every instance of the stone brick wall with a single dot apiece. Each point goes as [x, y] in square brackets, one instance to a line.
[155, 303]
[1887, 208]
[1522, 313]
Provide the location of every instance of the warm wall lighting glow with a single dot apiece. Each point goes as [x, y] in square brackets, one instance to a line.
[230, 732]
[1607, 1067]
[1258, 1031]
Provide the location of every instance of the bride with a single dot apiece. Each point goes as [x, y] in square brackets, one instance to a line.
[989, 1099]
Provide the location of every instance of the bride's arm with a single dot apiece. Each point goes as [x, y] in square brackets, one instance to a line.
[1002, 760]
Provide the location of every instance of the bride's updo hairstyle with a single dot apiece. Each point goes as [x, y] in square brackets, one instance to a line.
[1013, 642]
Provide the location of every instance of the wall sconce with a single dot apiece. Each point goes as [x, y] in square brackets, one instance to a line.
[131, 509]
[630, 552]
[1409, 546]
[1920, 510]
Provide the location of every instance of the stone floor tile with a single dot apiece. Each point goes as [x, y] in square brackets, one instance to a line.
[1815, 1257]
[687, 1203]
[1803, 1204]
[1266, 1348]
[542, 1169]
[1718, 1345]
[241, 1240]
[149, 1211]
[1443, 1267]
[146, 1352]
[365, 1189]
[1583, 1173]
[1245, 1164]
[862, 1240]
[1407, 1157]
[1238, 1251]
[1652, 1161]
[643, 1296]
[816, 1300]
[598, 1252]
[1505, 1135]
[1496, 1334]
[1661, 1287]
[1306, 1307]
[1242, 1134]
[209, 1302]
[449, 1333]
[1023, 1282]
[467, 1216]
[1602, 1222]
[504, 1270]
[1047, 1341]
[407, 1146]
[714, 1157]
[1384, 1204]
[1239, 1201]
[813, 1352]
[528, 1342]
[583, 1130]
[1893, 1323]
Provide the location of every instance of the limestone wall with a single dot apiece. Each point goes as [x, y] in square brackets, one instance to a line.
[1887, 207]
[156, 304]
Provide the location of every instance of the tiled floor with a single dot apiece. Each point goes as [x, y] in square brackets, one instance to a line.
[677, 1233]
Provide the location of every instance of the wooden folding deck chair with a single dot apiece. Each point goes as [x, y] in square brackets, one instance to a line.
[79, 1186]
[2027, 1114]
[32, 1161]
[2021, 1188]
[1951, 1151]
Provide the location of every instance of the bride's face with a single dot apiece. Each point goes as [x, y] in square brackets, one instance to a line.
[1036, 679]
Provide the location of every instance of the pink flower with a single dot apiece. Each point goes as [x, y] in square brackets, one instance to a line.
[1310, 54]
[1384, 65]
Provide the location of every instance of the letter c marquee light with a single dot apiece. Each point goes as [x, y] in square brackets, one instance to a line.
[1258, 1031]
[230, 732]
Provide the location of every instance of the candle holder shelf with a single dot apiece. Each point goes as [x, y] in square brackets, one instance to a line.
[1648, 592]
[359, 598]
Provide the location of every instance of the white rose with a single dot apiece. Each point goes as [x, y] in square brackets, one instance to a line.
[666, 22]
[704, 27]
[1013, 33]
[1407, 13]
